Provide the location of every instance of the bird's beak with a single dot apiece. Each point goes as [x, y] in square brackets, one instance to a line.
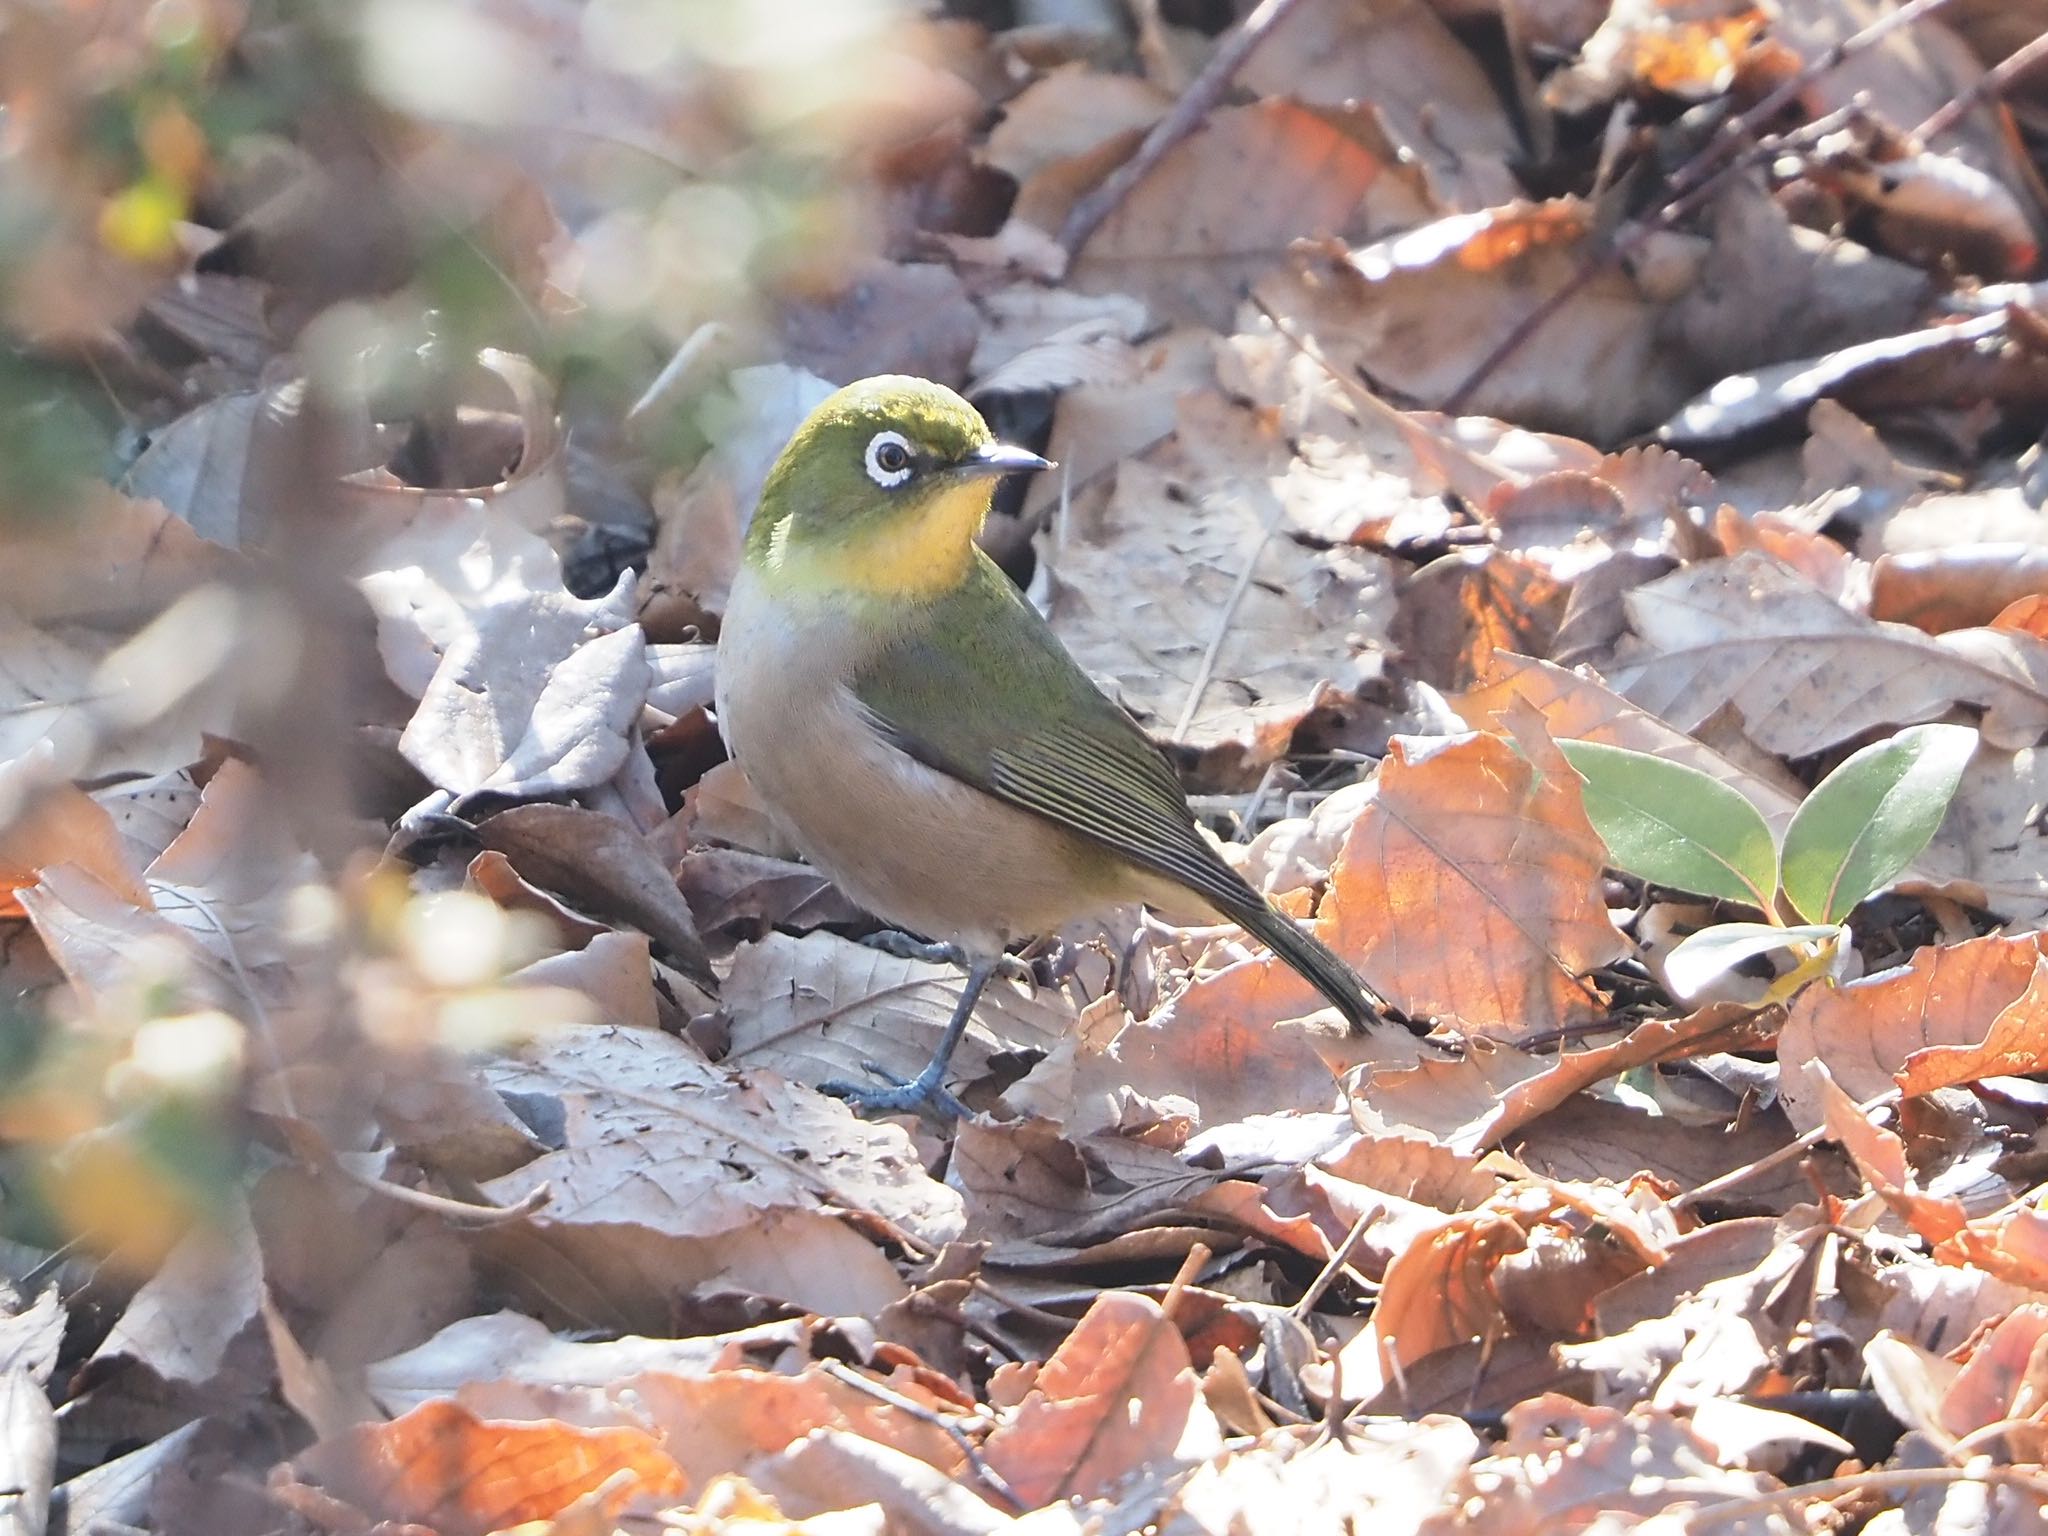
[1001, 459]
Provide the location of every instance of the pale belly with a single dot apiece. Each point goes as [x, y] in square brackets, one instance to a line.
[916, 847]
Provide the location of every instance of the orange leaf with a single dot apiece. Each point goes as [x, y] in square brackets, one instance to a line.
[1470, 886]
[441, 1466]
[1119, 1394]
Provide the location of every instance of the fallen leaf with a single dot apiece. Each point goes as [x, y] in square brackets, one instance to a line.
[1220, 208]
[443, 1467]
[1495, 874]
[1117, 1396]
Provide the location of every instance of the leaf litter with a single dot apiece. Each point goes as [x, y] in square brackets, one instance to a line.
[412, 1025]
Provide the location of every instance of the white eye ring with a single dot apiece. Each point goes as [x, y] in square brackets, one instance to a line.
[889, 459]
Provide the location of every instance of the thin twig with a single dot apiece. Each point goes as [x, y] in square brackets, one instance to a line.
[990, 1478]
[1202, 93]
[1784, 1154]
[442, 1206]
[1692, 184]
[1992, 82]
[1882, 1480]
[1341, 1257]
[1205, 673]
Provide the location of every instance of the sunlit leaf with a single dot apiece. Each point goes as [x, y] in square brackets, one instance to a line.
[1673, 825]
[1870, 818]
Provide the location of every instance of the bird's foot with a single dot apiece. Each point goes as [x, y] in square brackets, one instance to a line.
[925, 1094]
[904, 946]
[893, 941]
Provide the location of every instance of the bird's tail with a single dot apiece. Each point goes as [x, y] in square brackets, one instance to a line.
[1313, 959]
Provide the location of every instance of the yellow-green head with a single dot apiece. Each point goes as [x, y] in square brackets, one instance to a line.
[881, 491]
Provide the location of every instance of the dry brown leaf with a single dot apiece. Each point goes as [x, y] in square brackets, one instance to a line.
[1461, 608]
[1562, 1461]
[1297, 1482]
[1644, 47]
[514, 1348]
[1958, 586]
[97, 936]
[1432, 96]
[818, 1008]
[1969, 359]
[1417, 313]
[182, 1321]
[1470, 887]
[1188, 599]
[1214, 1042]
[229, 877]
[1028, 1186]
[1818, 559]
[1118, 1396]
[1066, 112]
[443, 1467]
[1954, 996]
[718, 1421]
[601, 864]
[63, 825]
[1098, 426]
[884, 317]
[1220, 208]
[1994, 837]
[657, 1138]
[1880, 1156]
[1804, 673]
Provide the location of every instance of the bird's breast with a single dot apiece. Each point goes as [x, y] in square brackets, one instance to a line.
[919, 848]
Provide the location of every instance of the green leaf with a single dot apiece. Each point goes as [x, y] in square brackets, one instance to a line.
[1866, 821]
[1700, 959]
[1673, 825]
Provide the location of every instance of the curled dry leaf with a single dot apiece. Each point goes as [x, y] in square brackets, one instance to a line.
[604, 866]
[1951, 1014]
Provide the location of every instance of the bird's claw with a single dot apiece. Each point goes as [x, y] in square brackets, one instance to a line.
[925, 1094]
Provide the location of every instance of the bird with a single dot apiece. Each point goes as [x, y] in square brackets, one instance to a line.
[918, 728]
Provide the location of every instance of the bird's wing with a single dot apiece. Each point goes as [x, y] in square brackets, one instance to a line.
[1036, 733]
[1039, 736]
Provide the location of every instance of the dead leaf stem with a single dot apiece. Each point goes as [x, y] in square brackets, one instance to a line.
[1202, 93]
[1990, 83]
[1206, 672]
[986, 1474]
[1882, 1480]
[1784, 1154]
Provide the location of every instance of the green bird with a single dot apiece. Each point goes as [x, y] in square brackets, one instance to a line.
[922, 733]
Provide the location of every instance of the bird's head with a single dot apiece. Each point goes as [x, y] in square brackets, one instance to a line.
[882, 490]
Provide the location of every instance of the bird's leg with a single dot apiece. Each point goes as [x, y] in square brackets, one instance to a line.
[906, 946]
[926, 1093]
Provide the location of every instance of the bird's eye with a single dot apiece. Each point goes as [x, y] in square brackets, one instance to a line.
[889, 459]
